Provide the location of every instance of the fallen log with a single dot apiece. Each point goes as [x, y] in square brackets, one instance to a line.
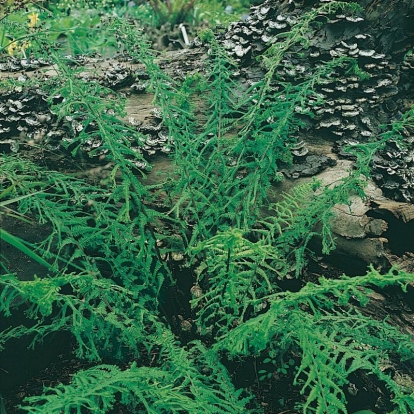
[380, 38]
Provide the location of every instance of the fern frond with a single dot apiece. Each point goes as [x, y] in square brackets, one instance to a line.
[235, 272]
[178, 384]
[333, 337]
[103, 316]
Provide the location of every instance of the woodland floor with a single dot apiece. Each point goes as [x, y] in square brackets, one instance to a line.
[54, 362]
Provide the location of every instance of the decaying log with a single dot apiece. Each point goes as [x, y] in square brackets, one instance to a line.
[373, 231]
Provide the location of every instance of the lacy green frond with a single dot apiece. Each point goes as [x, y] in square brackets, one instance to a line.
[102, 316]
[111, 245]
[235, 272]
[332, 336]
[177, 385]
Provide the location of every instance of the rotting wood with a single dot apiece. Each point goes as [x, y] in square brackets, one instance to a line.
[386, 30]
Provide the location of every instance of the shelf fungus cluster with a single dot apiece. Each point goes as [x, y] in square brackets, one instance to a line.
[355, 96]
[150, 137]
[154, 135]
[117, 76]
[245, 40]
[393, 169]
[13, 64]
[364, 89]
[367, 85]
[308, 166]
[25, 118]
[346, 97]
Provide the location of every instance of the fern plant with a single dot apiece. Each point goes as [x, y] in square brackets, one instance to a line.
[233, 273]
[108, 270]
[365, 151]
[175, 387]
[10, 238]
[115, 316]
[238, 268]
[226, 175]
[332, 337]
[108, 319]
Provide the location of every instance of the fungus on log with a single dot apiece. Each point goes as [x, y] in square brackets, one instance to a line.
[354, 102]
[349, 106]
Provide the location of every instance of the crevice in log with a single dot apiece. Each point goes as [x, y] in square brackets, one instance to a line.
[399, 234]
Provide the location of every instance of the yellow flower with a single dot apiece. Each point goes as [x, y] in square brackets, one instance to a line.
[33, 19]
[11, 48]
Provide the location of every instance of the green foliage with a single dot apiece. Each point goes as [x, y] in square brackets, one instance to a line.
[79, 33]
[177, 385]
[2, 406]
[331, 336]
[246, 162]
[108, 271]
[172, 11]
[104, 317]
[18, 244]
[33, 29]
[364, 412]
[298, 33]
[395, 131]
[294, 220]
[236, 273]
